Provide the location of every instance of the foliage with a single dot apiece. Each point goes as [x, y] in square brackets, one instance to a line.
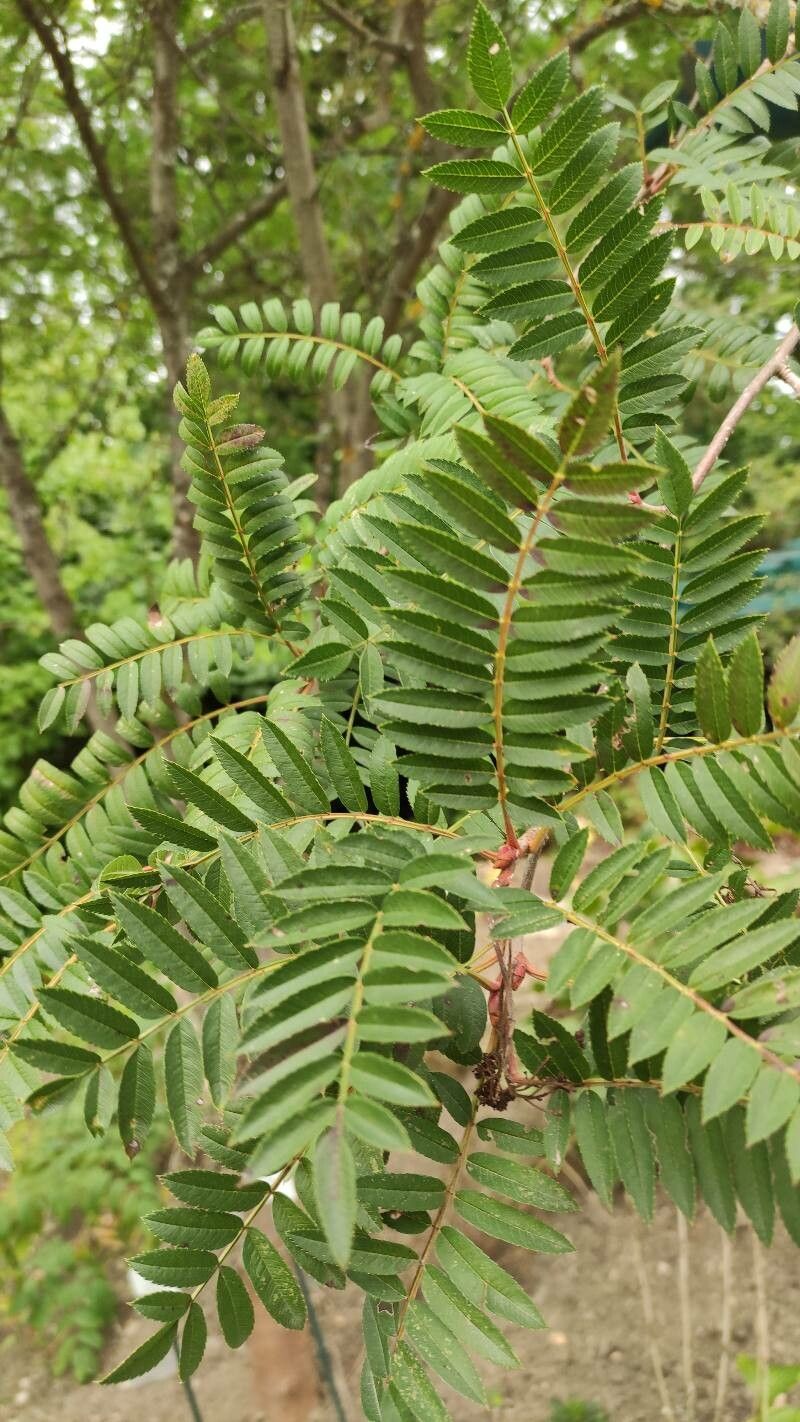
[577, 1412]
[769, 1388]
[58, 1245]
[529, 603]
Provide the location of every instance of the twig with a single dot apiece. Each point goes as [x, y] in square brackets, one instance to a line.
[726, 1328]
[776, 365]
[786, 373]
[762, 1329]
[686, 1316]
[324, 1359]
[649, 1320]
[360, 28]
[773, 366]
[614, 17]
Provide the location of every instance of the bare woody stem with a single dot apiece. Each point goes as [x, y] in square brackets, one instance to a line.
[786, 373]
[774, 366]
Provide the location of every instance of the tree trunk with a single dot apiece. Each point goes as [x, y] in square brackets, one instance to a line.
[26, 516]
[172, 314]
[315, 256]
[40, 561]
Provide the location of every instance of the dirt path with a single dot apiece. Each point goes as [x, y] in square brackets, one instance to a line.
[596, 1348]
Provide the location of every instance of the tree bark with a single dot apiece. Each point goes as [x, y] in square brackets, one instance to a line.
[298, 161]
[315, 257]
[26, 516]
[173, 317]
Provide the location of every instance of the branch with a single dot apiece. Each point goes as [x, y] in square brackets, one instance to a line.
[62, 63]
[774, 366]
[786, 373]
[239, 15]
[301, 177]
[412, 247]
[362, 30]
[616, 16]
[240, 223]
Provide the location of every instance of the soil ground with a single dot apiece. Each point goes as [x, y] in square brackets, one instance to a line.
[597, 1346]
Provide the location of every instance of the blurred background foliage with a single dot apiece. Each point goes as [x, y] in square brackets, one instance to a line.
[84, 356]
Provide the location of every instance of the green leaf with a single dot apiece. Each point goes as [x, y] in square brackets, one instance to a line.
[50, 709]
[259, 790]
[164, 1306]
[273, 1280]
[137, 1098]
[483, 1281]
[99, 1102]
[729, 1077]
[464, 127]
[488, 60]
[475, 175]
[567, 863]
[633, 1149]
[61, 1058]
[594, 1143]
[746, 679]
[563, 137]
[793, 1146]
[248, 882]
[469, 1324]
[299, 779]
[388, 1080]
[88, 1018]
[777, 30]
[175, 1268]
[375, 1124]
[188, 786]
[752, 1174]
[171, 830]
[411, 1384]
[774, 1097]
[783, 695]
[384, 781]
[177, 957]
[519, 1182]
[694, 1046]
[585, 425]
[443, 1352]
[118, 975]
[713, 1171]
[234, 1308]
[742, 954]
[711, 694]
[675, 484]
[668, 1127]
[541, 93]
[208, 919]
[183, 1077]
[506, 1222]
[400, 1191]
[342, 768]
[749, 42]
[660, 805]
[497, 231]
[144, 1358]
[502, 473]
[220, 1037]
[642, 733]
[335, 1192]
[193, 1342]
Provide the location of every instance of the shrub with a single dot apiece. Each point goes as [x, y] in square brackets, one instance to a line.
[538, 596]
